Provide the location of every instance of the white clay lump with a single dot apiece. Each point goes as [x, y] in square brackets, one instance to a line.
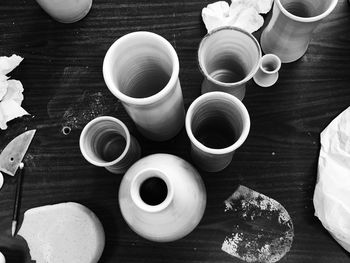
[63, 233]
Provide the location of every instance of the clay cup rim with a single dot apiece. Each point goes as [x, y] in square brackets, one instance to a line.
[109, 61]
[233, 84]
[86, 130]
[240, 106]
[307, 19]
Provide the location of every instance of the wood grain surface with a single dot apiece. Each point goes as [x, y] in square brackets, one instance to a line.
[64, 86]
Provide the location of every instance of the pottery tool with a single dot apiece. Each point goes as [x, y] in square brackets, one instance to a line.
[10, 160]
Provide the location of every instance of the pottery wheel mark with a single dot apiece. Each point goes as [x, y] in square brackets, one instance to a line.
[264, 232]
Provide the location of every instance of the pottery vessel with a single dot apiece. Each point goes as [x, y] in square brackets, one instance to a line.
[217, 124]
[267, 74]
[66, 11]
[289, 31]
[142, 70]
[228, 58]
[162, 197]
[106, 142]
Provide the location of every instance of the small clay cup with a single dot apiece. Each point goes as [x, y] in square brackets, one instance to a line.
[106, 142]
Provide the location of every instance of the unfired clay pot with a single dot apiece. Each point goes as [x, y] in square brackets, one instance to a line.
[228, 58]
[66, 11]
[289, 31]
[217, 124]
[142, 70]
[106, 142]
[162, 197]
[267, 74]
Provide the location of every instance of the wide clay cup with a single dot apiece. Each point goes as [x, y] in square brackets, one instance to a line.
[66, 11]
[289, 31]
[162, 197]
[217, 124]
[228, 58]
[142, 70]
[106, 142]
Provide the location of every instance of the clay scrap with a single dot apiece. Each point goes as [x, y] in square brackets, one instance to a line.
[241, 13]
[261, 229]
[11, 90]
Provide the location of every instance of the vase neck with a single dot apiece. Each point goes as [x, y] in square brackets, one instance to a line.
[151, 190]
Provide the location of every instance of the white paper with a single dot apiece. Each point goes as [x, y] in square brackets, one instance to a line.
[332, 191]
[241, 13]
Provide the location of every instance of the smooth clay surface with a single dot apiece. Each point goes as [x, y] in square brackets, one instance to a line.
[162, 219]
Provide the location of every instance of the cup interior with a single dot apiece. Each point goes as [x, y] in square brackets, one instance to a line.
[217, 123]
[104, 141]
[270, 63]
[306, 8]
[142, 64]
[229, 55]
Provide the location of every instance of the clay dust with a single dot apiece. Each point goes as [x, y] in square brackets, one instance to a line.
[262, 230]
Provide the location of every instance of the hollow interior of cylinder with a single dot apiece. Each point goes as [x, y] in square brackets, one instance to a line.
[106, 141]
[269, 64]
[217, 123]
[153, 191]
[228, 55]
[143, 67]
[306, 8]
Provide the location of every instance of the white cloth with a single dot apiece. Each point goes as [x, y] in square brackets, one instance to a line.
[332, 192]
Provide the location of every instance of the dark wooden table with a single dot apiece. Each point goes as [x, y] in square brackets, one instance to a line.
[63, 83]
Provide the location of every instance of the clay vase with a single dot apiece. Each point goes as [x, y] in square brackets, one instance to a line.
[267, 74]
[162, 197]
[228, 58]
[289, 31]
[142, 70]
[106, 142]
[217, 124]
[66, 11]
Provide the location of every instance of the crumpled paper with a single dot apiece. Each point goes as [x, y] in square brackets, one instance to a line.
[11, 90]
[241, 13]
[332, 192]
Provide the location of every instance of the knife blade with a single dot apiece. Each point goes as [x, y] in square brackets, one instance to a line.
[12, 155]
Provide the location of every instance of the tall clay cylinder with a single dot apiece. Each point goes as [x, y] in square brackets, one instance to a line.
[162, 197]
[142, 70]
[289, 31]
[217, 124]
[228, 58]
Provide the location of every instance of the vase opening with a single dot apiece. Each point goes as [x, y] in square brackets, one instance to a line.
[105, 140]
[229, 56]
[153, 191]
[306, 8]
[270, 64]
[216, 123]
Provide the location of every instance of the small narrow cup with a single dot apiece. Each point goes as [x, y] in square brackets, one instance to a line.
[142, 70]
[217, 124]
[228, 58]
[106, 142]
[267, 74]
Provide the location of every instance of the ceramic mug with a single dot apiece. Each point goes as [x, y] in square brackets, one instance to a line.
[66, 11]
[106, 142]
[289, 31]
[142, 70]
[228, 58]
[217, 124]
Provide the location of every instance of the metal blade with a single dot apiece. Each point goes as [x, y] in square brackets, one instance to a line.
[12, 155]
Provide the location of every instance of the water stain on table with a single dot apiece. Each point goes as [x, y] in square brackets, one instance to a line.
[74, 107]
